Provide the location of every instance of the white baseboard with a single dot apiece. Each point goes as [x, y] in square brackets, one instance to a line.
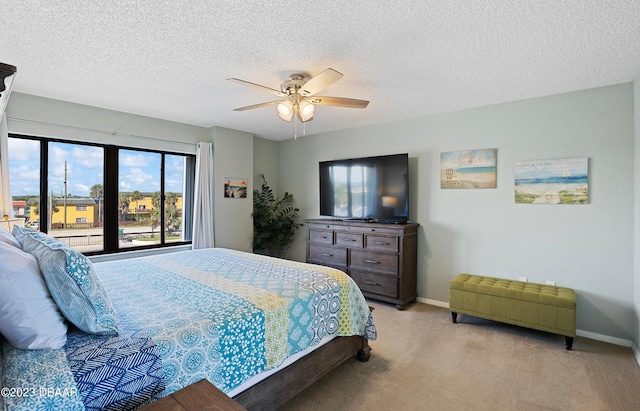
[582, 333]
[433, 302]
[636, 352]
[604, 338]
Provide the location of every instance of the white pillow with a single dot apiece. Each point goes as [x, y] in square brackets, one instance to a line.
[29, 319]
[8, 238]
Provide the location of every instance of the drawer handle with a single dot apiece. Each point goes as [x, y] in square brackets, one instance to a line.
[372, 261]
[381, 243]
[321, 236]
[350, 239]
[327, 255]
[371, 283]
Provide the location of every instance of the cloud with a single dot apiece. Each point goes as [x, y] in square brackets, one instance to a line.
[136, 176]
[129, 159]
[80, 189]
[24, 150]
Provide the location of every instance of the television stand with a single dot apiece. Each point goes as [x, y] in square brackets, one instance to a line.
[381, 258]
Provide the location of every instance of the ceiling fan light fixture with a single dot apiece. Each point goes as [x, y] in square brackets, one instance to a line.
[285, 110]
[306, 110]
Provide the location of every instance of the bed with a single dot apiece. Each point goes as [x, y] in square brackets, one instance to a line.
[260, 329]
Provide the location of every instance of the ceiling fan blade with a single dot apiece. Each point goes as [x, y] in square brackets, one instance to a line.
[257, 86]
[339, 102]
[269, 103]
[320, 81]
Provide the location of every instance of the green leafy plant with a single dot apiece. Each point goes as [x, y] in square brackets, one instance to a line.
[274, 221]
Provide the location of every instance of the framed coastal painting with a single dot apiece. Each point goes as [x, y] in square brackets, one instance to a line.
[468, 169]
[235, 187]
[561, 181]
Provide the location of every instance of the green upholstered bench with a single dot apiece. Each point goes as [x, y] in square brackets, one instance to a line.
[538, 306]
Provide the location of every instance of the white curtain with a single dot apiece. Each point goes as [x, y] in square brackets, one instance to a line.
[5, 194]
[203, 201]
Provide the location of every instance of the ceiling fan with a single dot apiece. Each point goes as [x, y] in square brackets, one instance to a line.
[299, 95]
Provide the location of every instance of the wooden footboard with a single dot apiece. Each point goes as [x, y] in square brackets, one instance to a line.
[282, 386]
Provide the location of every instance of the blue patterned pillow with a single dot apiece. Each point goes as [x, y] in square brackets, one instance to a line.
[73, 284]
[19, 233]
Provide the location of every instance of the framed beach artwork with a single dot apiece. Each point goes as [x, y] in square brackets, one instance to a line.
[562, 181]
[235, 187]
[468, 169]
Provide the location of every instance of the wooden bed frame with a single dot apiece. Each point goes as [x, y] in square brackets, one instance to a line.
[282, 386]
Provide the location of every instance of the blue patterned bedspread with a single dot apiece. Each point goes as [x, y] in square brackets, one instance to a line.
[218, 314]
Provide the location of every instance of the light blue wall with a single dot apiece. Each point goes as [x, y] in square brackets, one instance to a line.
[265, 162]
[585, 247]
[70, 121]
[233, 157]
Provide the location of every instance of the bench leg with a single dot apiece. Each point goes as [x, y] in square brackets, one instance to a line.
[454, 317]
[569, 342]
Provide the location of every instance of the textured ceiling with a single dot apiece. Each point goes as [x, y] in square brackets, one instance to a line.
[170, 59]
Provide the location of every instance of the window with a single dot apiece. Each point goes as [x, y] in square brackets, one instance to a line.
[101, 198]
[24, 166]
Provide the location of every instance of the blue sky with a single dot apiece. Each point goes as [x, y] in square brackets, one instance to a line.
[139, 170]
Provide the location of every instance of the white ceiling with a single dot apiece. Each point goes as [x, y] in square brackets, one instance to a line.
[170, 59]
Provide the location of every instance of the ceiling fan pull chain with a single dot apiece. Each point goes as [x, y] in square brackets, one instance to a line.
[295, 128]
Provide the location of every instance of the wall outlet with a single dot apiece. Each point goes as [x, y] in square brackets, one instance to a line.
[549, 282]
[523, 279]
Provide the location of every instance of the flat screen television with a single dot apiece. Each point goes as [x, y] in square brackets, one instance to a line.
[369, 188]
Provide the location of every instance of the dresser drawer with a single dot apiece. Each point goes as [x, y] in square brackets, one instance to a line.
[350, 240]
[376, 283]
[322, 237]
[375, 229]
[323, 226]
[381, 243]
[328, 255]
[381, 262]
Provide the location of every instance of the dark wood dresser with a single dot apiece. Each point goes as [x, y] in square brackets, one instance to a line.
[381, 258]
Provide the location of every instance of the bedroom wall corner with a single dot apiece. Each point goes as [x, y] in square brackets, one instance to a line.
[636, 211]
[233, 157]
[265, 161]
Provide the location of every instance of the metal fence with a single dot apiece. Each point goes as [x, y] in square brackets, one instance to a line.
[85, 240]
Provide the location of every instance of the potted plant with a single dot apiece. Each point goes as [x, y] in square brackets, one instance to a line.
[274, 221]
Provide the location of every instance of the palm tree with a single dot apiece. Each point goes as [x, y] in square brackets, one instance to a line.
[172, 221]
[155, 213]
[135, 197]
[97, 193]
[123, 205]
[36, 207]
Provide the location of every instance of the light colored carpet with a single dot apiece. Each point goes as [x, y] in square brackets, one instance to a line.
[422, 361]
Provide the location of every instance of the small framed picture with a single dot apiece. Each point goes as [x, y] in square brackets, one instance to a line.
[235, 187]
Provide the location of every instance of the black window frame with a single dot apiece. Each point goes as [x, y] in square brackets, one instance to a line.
[111, 168]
